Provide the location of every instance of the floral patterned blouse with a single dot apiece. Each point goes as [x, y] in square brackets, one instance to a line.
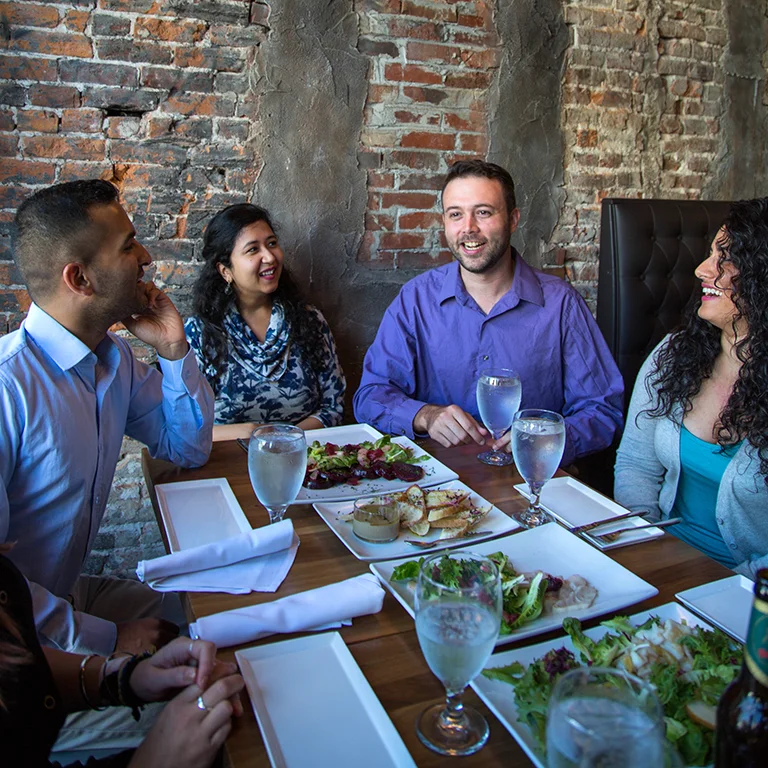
[270, 381]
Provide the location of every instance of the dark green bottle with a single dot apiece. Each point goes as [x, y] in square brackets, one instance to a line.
[741, 739]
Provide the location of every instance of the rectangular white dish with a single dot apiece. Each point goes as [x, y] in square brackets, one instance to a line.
[573, 504]
[726, 603]
[500, 696]
[314, 706]
[435, 472]
[494, 524]
[552, 549]
[197, 512]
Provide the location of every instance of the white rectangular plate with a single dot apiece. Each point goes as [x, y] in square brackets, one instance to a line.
[500, 696]
[726, 603]
[199, 512]
[435, 472]
[552, 549]
[315, 707]
[494, 524]
[573, 504]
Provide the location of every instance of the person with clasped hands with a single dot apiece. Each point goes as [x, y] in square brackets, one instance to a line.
[69, 391]
[487, 309]
[39, 686]
[696, 441]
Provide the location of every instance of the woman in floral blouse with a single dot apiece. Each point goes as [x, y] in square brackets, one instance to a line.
[268, 355]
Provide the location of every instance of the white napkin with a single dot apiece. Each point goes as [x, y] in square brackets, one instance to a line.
[322, 608]
[257, 561]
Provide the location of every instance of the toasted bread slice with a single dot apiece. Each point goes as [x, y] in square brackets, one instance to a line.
[454, 533]
[420, 528]
[456, 521]
[411, 506]
[437, 499]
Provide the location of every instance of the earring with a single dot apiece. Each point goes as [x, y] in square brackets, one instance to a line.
[228, 289]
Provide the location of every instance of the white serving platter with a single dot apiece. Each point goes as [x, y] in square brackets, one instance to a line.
[495, 523]
[552, 549]
[500, 696]
[574, 504]
[726, 603]
[197, 512]
[315, 708]
[435, 472]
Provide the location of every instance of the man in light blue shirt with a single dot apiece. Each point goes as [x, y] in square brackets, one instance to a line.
[69, 391]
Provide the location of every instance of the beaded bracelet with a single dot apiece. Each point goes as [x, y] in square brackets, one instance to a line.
[116, 688]
[83, 689]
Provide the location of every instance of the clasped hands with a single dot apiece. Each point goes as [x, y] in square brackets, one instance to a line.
[450, 425]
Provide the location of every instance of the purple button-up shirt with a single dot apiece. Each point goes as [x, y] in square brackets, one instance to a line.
[434, 340]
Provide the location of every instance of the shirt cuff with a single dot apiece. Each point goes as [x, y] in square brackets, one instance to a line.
[401, 422]
[95, 635]
[177, 372]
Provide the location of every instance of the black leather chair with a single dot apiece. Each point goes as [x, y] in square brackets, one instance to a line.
[649, 250]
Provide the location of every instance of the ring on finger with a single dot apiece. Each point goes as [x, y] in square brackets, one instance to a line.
[201, 705]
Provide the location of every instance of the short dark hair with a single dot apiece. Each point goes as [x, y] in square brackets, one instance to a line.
[53, 227]
[481, 168]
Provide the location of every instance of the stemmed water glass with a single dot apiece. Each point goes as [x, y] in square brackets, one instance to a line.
[538, 440]
[457, 623]
[599, 716]
[277, 463]
[498, 398]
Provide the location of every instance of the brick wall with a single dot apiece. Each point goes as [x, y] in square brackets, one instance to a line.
[165, 98]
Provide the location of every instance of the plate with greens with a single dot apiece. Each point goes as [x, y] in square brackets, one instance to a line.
[688, 661]
[356, 460]
[548, 574]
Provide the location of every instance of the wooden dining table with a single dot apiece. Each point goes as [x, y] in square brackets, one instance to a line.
[385, 645]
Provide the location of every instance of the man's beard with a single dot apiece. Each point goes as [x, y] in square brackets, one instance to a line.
[495, 250]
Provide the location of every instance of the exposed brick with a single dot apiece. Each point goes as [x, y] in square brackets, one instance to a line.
[53, 43]
[378, 6]
[429, 10]
[110, 25]
[9, 145]
[81, 120]
[62, 147]
[123, 99]
[415, 30]
[189, 104]
[29, 14]
[416, 200]
[175, 31]
[441, 141]
[421, 181]
[134, 51]
[377, 48]
[476, 143]
[100, 73]
[397, 240]
[379, 221]
[424, 161]
[419, 221]
[26, 172]
[172, 79]
[76, 20]
[428, 95]
[468, 79]
[446, 54]
[27, 68]
[37, 121]
[145, 152]
[422, 259]
[380, 180]
[233, 130]
[219, 59]
[12, 95]
[7, 121]
[412, 74]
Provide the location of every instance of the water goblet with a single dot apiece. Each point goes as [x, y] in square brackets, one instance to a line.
[538, 440]
[606, 717]
[277, 463]
[498, 398]
[457, 623]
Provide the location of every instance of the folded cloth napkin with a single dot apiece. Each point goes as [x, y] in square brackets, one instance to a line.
[321, 608]
[257, 561]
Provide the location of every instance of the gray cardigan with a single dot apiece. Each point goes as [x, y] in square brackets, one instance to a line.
[648, 469]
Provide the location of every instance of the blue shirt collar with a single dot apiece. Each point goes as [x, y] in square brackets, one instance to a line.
[525, 287]
[64, 348]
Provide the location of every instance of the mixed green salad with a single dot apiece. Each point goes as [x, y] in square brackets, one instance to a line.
[332, 456]
[523, 593]
[690, 667]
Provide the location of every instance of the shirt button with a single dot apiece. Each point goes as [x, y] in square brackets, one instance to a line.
[49, 702]
[485, 357]
[733, 546]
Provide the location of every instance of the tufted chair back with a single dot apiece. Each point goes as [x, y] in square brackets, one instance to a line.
[648, 252]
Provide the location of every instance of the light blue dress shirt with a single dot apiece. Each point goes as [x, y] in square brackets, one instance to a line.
[63, 412]
[434, 341]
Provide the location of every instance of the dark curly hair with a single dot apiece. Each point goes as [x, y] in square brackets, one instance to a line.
[689, 357]
[211, 300]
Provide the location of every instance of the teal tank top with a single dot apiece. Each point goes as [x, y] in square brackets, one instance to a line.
[702, 465]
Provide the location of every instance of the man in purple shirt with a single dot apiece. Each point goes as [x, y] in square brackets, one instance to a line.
[488, 309]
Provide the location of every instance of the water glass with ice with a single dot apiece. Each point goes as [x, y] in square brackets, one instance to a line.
[277, 463]
[498, 398]
[458, 614]
[538, 441]
[605, 717]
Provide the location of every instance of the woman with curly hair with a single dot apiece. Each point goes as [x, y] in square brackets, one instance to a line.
[696, 441]
[267, 354]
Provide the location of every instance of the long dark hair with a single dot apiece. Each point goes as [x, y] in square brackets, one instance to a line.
[689, 357]
[211, 299]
